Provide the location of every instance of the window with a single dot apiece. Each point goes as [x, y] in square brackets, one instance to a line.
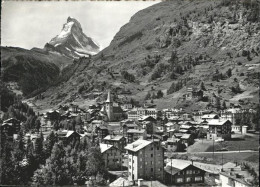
[179, 180]
[159, 169]
[198, 178]
[141, 159]
[151, 162]
[151, 169]
[146, 163]
[151, 148]
[130, 167]
[151, 155]
[158, 148]
[188, 179]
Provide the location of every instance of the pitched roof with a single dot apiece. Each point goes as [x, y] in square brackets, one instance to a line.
[117, 109]
[10, 120]
[121, 182]
[69, 133]
[141, 131]
[104, 147]
[217, 122]
[137, 145]
[211, 168]
[146, 118]
[114, 138]
[169, 124]
[209, 116]
[185, 136]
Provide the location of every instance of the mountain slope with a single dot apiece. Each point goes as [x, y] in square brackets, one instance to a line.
[177, 42]
[72, 42]
[33, 70]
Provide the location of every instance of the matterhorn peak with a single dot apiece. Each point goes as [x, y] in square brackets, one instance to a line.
[70, 19]
[72, 42]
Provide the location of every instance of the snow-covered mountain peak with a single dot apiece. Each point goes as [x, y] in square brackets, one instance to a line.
[72, 42]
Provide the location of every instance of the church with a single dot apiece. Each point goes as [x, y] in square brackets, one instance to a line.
[112, 111]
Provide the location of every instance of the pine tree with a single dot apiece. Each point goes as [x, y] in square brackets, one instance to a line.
[50, 141]
[171, 89]
[159, 94]
[202, 86]
[224, 106]
[39, 153]
[148, 96]
[218, 104]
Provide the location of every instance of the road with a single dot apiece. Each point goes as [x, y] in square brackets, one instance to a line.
[216, 152]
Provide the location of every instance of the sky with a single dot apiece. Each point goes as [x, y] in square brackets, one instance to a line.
[29, 24]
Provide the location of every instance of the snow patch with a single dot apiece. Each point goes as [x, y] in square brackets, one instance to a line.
[66, 30]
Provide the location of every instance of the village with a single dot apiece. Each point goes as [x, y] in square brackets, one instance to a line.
[146, 146]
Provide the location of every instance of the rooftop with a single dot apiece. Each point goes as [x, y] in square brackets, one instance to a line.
[111, 137]
[209, 116]
[141, 131]
[217, 122]
[104, 147]
[137, 145]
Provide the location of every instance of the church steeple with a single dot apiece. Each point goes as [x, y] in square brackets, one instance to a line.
[109, 99]
[109, 106]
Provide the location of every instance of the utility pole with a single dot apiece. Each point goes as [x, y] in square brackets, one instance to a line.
[213, 147]
[222, 160]
[171, 170]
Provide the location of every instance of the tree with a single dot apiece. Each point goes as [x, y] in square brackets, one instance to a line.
[55, 171]
[154, 96]
[229, 72]
[202, 86]
[224, 106]
[95, 162]
[171, 89]
[38, 152]
[159, 94]
[37, 125]
[50, 141]
[148, 96]
[217, 103]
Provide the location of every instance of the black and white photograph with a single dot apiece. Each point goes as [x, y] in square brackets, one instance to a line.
[130, 93]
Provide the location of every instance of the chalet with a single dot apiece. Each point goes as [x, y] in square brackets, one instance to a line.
[102, 131]
[68, 136]
[219, 129]
[171, 144]
[231, 179]
[187, 139]
[135, 134]
[181, 173]
[10, 127]
[117, 141]
[169, 126]
[112, 156]
[74, 108]
[127, 106]
[147, 119]
[208, 117]
[52, 115]
[193, 93]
